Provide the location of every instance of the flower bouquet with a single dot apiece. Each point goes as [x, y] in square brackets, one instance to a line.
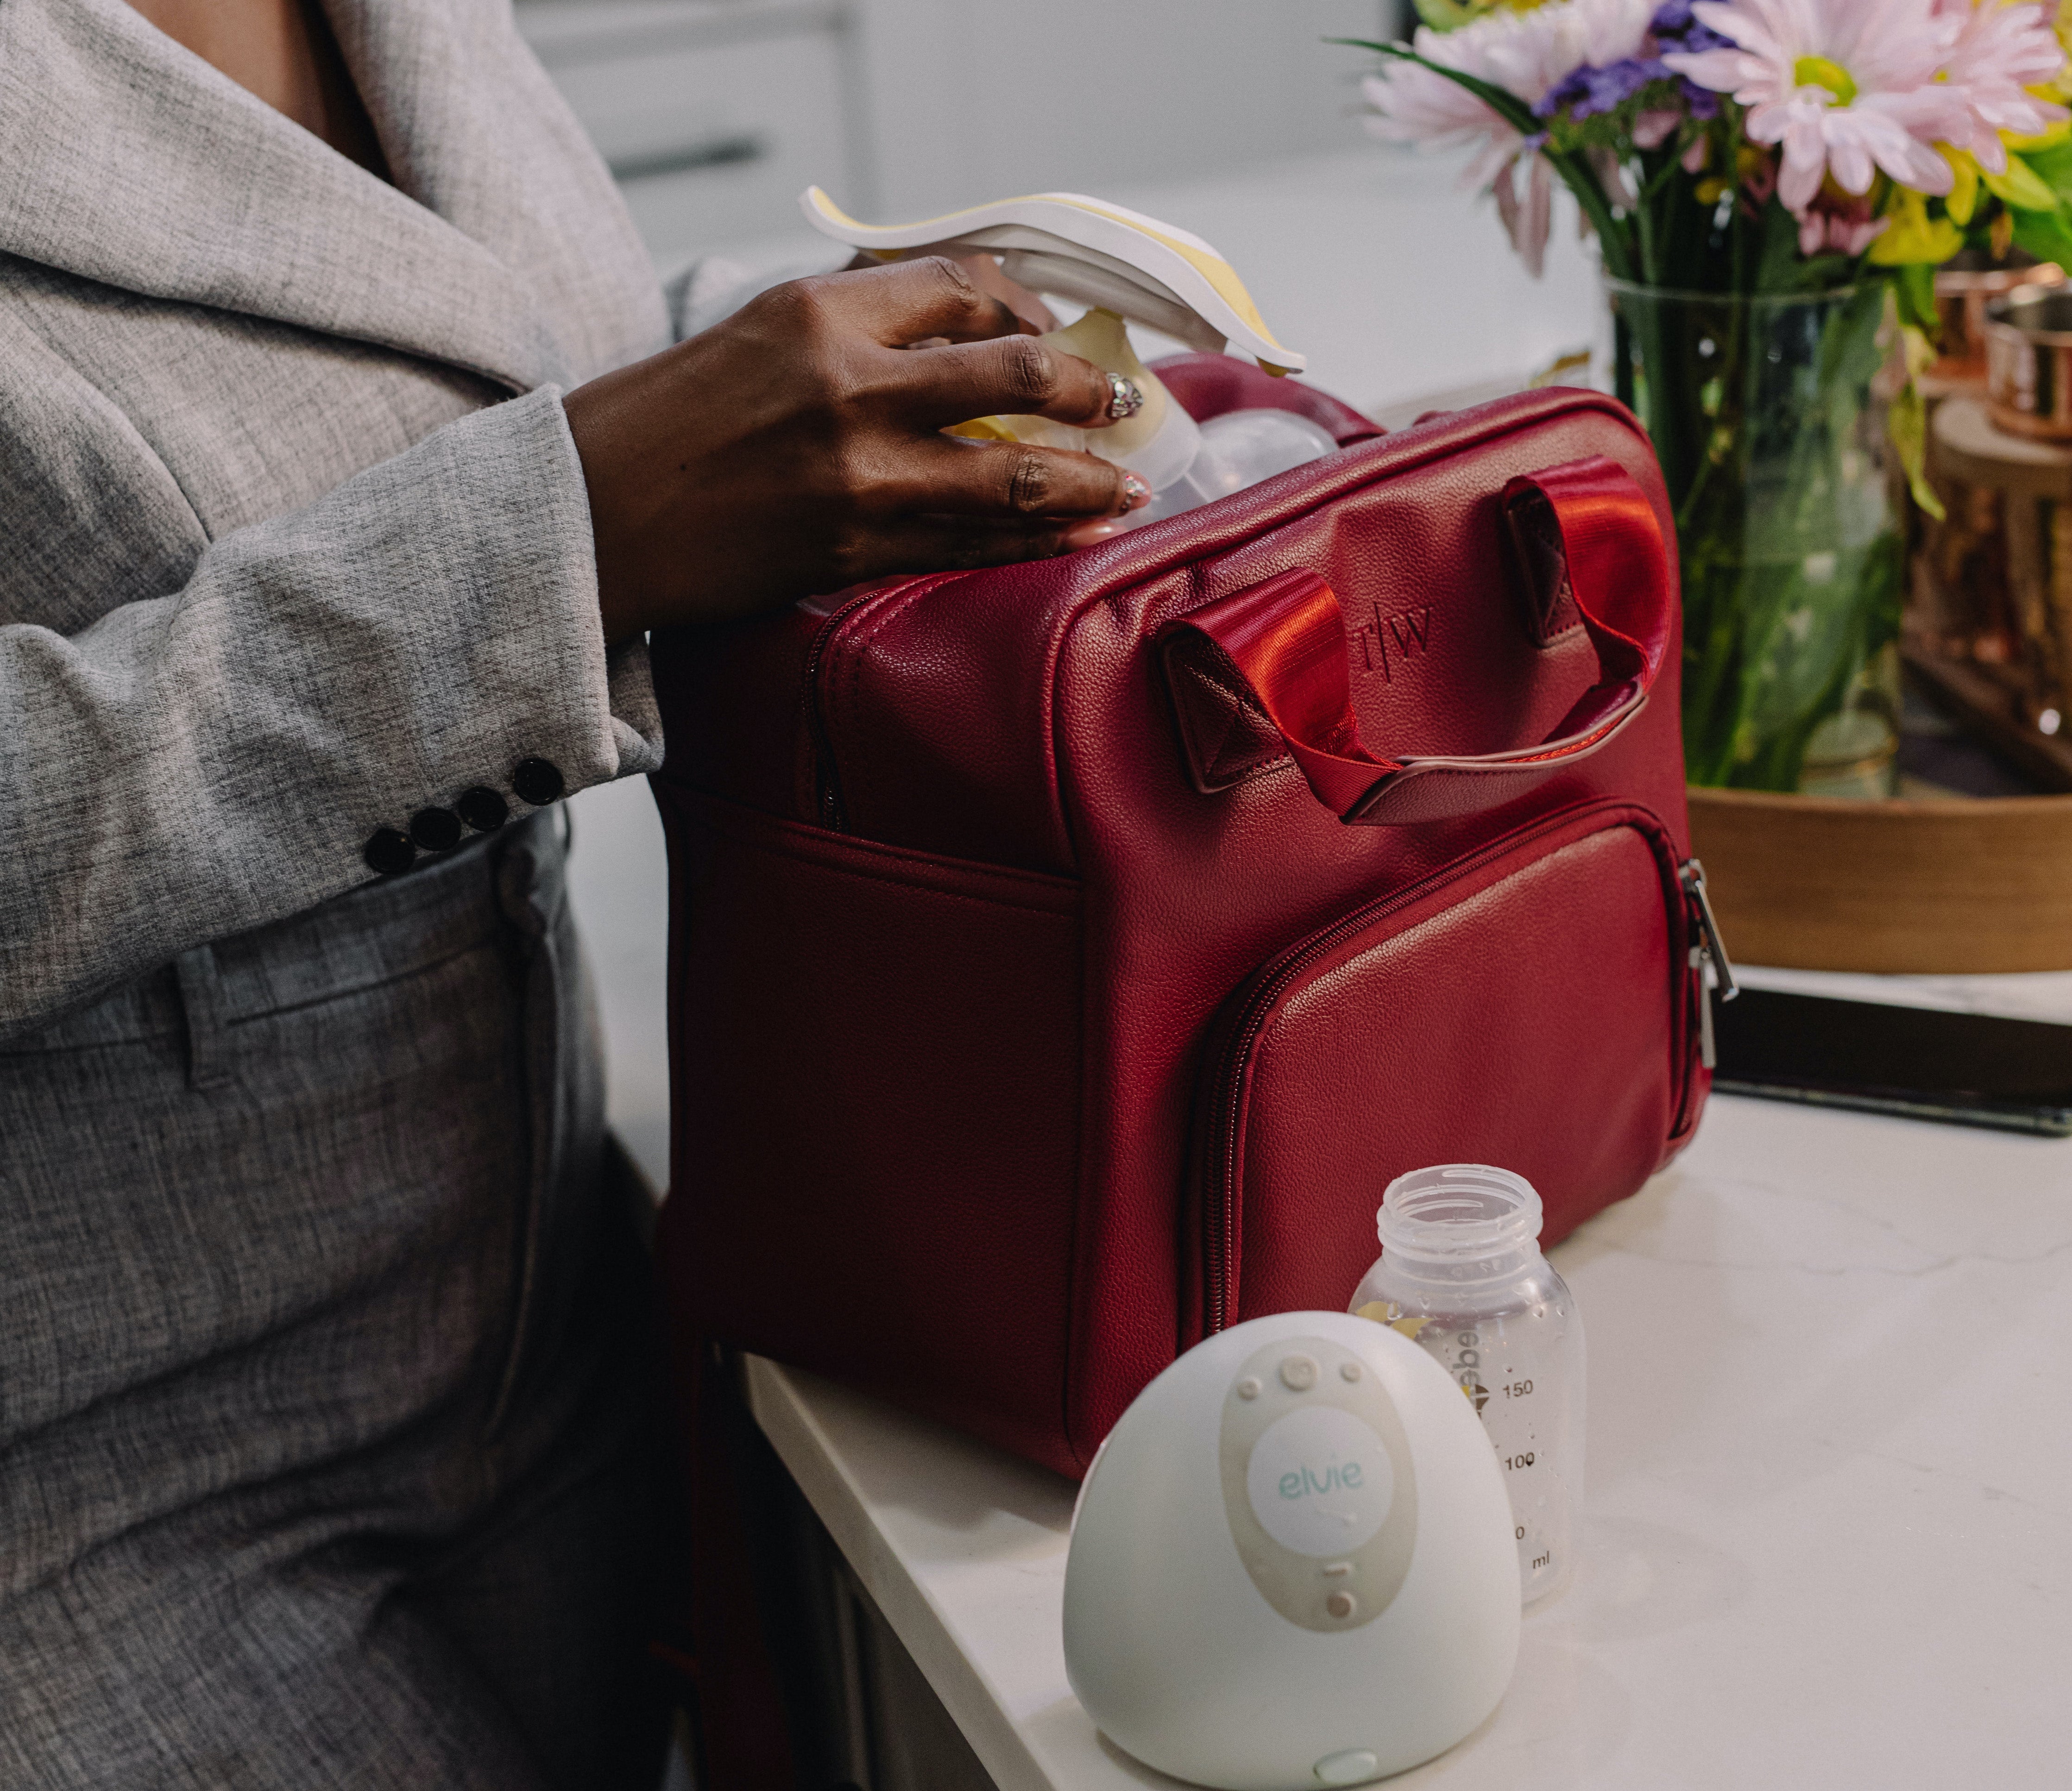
[1771, 184]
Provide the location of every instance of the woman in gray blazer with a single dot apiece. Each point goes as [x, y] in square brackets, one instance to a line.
[343, 465]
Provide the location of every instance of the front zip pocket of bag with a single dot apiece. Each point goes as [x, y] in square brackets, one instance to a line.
[1531, 1005]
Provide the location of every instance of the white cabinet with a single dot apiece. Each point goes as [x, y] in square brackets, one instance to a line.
[716, 114]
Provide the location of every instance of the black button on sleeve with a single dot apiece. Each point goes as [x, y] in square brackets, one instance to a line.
[537, 781]
[435, 829]
[483, 809]
[389, 851]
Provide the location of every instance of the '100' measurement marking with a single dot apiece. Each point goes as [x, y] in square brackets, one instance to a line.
[1525, 1461]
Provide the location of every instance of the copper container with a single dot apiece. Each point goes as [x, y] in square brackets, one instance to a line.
[1962, 295]
[2029, 363]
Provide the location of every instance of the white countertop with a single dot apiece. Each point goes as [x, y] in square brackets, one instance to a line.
[1828, 1528]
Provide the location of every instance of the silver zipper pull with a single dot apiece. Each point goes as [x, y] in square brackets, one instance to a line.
[1699, 959]
[1709, 963]
[1691, 875]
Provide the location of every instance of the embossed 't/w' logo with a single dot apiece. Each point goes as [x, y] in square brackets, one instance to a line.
[1384, 642]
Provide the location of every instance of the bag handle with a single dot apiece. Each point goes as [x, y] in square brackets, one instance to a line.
[1587, 522]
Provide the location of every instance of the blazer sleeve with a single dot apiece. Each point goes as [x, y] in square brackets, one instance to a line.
[206, 758]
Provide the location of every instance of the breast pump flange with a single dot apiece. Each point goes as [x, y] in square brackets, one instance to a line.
[1292, 1562]
[1122, 265]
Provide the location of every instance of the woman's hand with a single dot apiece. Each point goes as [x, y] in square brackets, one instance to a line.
[796, 448]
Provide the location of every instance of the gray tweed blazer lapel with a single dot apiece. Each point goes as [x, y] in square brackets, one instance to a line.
[125, 159]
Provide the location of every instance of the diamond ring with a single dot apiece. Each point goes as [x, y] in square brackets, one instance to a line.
[1125, 397]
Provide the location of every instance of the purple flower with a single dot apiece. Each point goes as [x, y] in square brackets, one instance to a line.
[1588, 91]
[1676, 27]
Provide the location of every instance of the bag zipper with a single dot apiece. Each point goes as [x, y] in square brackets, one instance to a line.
[828, 805]
[1219, 1227]
[1709, 963]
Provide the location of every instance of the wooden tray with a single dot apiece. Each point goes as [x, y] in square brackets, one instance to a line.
[1965, 884]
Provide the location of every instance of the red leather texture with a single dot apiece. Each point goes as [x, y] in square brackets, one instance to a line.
[1208, 385]
[1318, 1092]
[1281, 647]
[960, 924]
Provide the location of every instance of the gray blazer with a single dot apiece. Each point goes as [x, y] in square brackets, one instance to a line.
[293, 539]
[322, 1413]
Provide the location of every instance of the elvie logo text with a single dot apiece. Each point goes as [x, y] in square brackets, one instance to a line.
[1337, 1478]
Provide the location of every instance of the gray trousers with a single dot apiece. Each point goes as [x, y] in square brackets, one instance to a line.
[326, 1405]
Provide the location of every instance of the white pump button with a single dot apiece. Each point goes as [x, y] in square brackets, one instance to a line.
[1355, 1766]
[1248, 1387]
[1298, 1374]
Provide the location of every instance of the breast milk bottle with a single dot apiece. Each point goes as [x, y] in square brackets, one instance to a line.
[1462, 1275]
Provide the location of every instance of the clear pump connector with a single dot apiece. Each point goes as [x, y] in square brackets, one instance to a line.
[1462, 1275]
[1186, 463]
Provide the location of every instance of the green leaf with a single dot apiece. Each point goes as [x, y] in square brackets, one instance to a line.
[1504, 103]
[1445, 15]
[1913, 285]
[2046, 235]
[2020, 187]
[2052, 167]
[1906, 423]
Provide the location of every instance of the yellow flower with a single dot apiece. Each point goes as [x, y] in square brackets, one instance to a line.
[1449, 15]
[2019, 185]
[1912, 235]
[2048, 138]
[1962, 199]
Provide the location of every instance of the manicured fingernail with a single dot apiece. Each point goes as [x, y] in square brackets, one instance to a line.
[1136, 492]
[1081, 535]
[1125, 397]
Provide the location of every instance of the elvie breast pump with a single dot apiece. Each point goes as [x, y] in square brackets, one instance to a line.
[1292, 1563]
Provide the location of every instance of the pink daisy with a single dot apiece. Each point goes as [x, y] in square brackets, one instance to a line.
[1846, 86]
[2000, 51]
[1523, 53]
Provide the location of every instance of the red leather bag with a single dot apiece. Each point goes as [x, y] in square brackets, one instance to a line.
[1065, 957]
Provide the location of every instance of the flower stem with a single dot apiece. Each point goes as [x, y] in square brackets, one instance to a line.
[1616, 243]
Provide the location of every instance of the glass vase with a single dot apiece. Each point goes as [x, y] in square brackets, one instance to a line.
[1768, 415]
